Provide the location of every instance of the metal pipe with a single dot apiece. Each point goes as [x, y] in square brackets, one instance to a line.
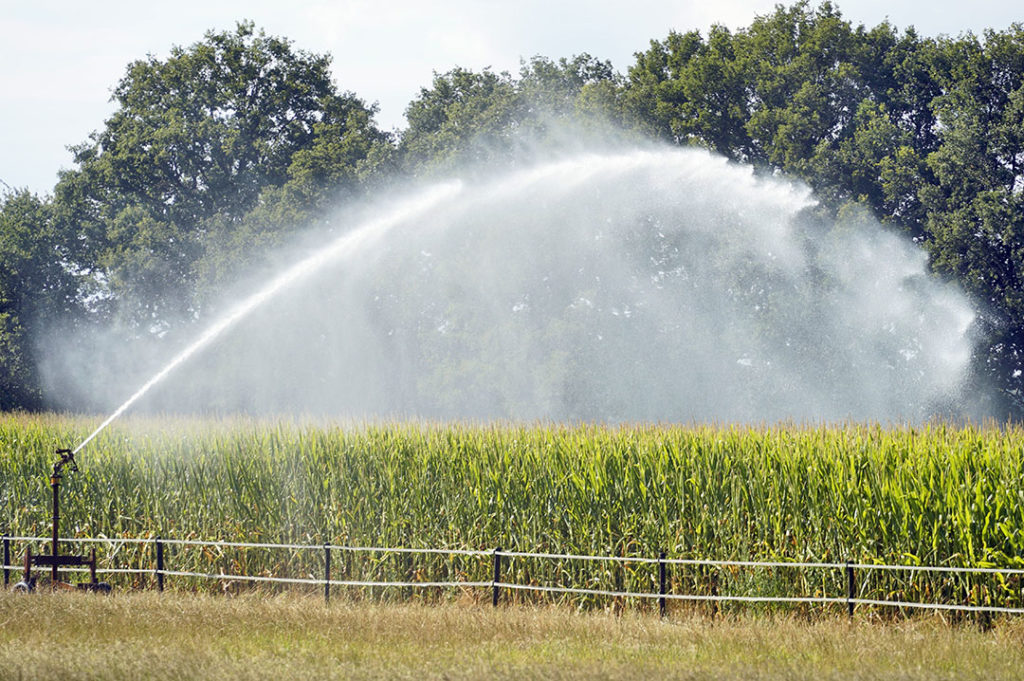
[55, 486]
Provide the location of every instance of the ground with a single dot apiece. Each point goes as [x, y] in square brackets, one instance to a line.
[133, 635]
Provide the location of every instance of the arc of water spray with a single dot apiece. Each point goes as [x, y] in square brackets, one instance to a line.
[347, 243]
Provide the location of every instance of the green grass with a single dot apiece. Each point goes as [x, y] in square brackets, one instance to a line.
[937, 494]
[143, 636]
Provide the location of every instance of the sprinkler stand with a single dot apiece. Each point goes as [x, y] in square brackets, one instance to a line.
[55, 560]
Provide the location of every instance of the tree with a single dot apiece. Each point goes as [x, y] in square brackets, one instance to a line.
[653, 98]
[490, 117]
[925, 133]
[556, 88]
[196, 141]
[463, 116]
[38, 293]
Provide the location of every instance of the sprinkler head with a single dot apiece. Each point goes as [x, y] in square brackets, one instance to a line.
[67, 458]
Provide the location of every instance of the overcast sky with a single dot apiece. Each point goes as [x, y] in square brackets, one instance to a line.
[60, 60]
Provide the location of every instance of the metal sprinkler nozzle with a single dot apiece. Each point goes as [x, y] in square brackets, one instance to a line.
[67, 458]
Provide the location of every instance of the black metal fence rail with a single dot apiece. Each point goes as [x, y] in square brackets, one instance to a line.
[493, 561]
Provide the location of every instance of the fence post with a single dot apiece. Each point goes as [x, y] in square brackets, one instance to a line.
[327, 574]
[661, 583]
[159, 565]
[714, 591]
[7, 560]
[851, 589]
[497, 577]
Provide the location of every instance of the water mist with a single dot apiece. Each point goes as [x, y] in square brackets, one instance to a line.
[645, 284]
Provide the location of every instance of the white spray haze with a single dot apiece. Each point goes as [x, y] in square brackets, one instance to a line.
[647, 284]
[344, 245]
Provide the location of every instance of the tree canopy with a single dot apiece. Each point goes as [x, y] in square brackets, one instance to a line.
[925, 133]
[199, 141]
[222, 149]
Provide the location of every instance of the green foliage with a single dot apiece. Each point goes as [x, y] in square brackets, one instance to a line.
[468, 117]
[926, 133]
[936, 495]
[218, 153]
[456, 113]
[235, 123]
[207, 129]
[38, 290]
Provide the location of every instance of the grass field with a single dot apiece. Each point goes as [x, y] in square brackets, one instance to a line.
[937, 494]
[178, 636]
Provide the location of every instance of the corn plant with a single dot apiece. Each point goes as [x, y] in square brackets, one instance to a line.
[931, 495]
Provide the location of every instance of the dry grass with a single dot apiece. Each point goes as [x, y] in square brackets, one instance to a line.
[185, 636]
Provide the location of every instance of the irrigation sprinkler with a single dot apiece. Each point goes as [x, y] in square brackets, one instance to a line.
[66, 459]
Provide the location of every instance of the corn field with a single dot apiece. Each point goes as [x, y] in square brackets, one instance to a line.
[933, 495]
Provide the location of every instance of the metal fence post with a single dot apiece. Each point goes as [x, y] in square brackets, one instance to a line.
[159, 565]
[497, 577]
[327, 574]
[851, 589]
[714, 591]
[7, 560]
[661, 583]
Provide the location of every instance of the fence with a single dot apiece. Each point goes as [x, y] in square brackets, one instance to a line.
[496, 561]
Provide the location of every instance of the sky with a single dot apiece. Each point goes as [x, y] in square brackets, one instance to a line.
[60, 60]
